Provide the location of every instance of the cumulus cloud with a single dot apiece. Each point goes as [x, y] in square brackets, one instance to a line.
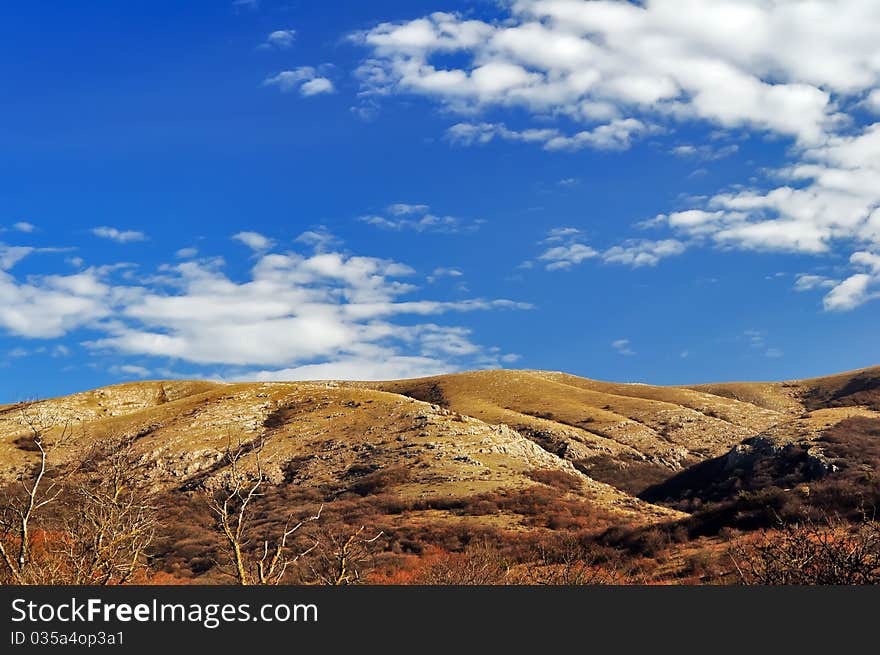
[643, 252]
[320, 239]
[613, 71]
[772, 66]
[279, 39]
[568, 250]
[317, 86]
[254, 240]
[829, 200]
[294, 312]
[120, 236]
[327, 314]
[49, 306]
[306, 79]
[564, 257]
[858, 288]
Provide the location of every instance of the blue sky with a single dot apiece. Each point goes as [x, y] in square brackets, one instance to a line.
[290, 190]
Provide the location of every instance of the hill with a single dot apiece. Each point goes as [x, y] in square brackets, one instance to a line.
[435, 462]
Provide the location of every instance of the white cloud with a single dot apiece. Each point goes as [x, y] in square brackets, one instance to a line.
[50, 306]
[558, 234]
[619, 70]
[616, 135]
[872, 102]
[569, 253]
[359, 368]
[291, 79]
[317, 86]
[442, 272]
[325, 315]
[320, 239]
[295, 310]
[705, 152]
[565, 257]
[24, 226]
[306, 79]
[254, 240]
[757, 340]
[809, 282]
[772, 66]
[447, 272]
[131, 371]
[622, 346]
[280, 39]
[643, 252]
[419, 218]
[568, 250]
[858, 288]
[830, 200]
[11, 255]
[186, 253]
[407, 209]
[120, 236]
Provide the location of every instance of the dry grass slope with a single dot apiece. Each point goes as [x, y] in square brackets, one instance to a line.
[510, 451]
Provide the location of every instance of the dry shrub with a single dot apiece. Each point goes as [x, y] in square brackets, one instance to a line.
[570, 561]
[561, 480]
[481, 563]
[378, 481]
[829, 552]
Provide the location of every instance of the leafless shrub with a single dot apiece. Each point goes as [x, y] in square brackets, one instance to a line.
[567, 562]
[342, 560]
[481, 563]
[109, 522]
[828, 552]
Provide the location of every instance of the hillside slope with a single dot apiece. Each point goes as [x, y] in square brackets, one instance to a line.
[514, 456]
[315, 435]
[468, 432]
[626, 434]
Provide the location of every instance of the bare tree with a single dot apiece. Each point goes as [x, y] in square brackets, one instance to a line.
[110, 521]
[829, 552]
[341, 561]
[232, 504]
[35, 491]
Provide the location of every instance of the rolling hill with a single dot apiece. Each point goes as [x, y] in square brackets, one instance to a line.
[438, 447]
